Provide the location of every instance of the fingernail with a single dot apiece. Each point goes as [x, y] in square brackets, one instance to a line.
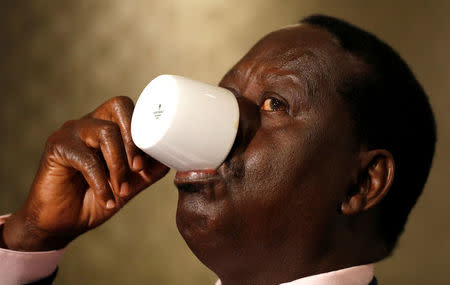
[110, 204]
[138, 163]
[124, 189]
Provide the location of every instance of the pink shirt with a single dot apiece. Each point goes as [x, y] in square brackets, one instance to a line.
[17, 267]
[357, 275]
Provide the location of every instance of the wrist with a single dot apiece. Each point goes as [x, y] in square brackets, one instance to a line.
[21, 234]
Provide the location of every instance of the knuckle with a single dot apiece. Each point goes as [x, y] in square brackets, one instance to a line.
[109, 129]
[50, 144]
[56, 148]
[68, 124]
[101, 191]
[114, 105]
[121, 101]
[54, 141]
[120, 168]
[67, 129]
[90, 161]
[64, 136]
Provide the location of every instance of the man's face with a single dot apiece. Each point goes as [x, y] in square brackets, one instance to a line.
[277, 195]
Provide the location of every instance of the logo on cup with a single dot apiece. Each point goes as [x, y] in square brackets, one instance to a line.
[158, 113]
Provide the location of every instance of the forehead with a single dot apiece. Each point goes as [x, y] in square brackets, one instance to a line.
[306, 53]
[293, 41]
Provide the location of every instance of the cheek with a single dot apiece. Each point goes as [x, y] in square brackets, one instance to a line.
[268, 162]
[292, 181]
[265, 199]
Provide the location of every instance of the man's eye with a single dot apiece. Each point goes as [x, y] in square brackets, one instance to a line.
[273, 104]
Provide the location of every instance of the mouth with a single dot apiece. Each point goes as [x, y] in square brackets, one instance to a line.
[194, 181]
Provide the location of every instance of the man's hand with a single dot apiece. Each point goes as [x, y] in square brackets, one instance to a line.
[90, 168]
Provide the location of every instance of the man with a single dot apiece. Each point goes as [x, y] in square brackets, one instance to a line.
[335, 144]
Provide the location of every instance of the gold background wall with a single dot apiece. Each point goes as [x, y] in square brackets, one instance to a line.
[60, 59]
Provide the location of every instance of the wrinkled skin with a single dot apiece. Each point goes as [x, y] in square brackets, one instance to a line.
[90, 168]
[296, 196]
[273, 212]
[280, 195]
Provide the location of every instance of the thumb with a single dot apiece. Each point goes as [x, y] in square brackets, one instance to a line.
[152, 172]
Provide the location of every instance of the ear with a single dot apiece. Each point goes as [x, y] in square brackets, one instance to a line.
[374, 181]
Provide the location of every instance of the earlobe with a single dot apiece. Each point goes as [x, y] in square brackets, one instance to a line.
[375, 180]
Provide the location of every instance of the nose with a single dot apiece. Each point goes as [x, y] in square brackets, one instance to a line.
[249, 122]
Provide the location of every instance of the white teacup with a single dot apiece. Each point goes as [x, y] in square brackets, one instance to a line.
[185, 124]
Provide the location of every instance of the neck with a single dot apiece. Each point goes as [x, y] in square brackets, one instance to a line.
[347, 248]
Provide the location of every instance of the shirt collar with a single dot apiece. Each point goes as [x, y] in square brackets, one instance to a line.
[357, 275]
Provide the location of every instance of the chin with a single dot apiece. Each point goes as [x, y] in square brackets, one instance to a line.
[206, 224]
[203, 204]
[207, 219]
[199, 218]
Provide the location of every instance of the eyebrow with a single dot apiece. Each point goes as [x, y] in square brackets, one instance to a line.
[299, 94]
[306, 69]
[291, 68]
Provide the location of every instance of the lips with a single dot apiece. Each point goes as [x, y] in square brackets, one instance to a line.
[194, 181]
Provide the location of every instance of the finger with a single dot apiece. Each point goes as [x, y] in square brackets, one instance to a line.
[138, 181]
[106, 136]
[120, 110]
[152, 172]
[80, 157]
